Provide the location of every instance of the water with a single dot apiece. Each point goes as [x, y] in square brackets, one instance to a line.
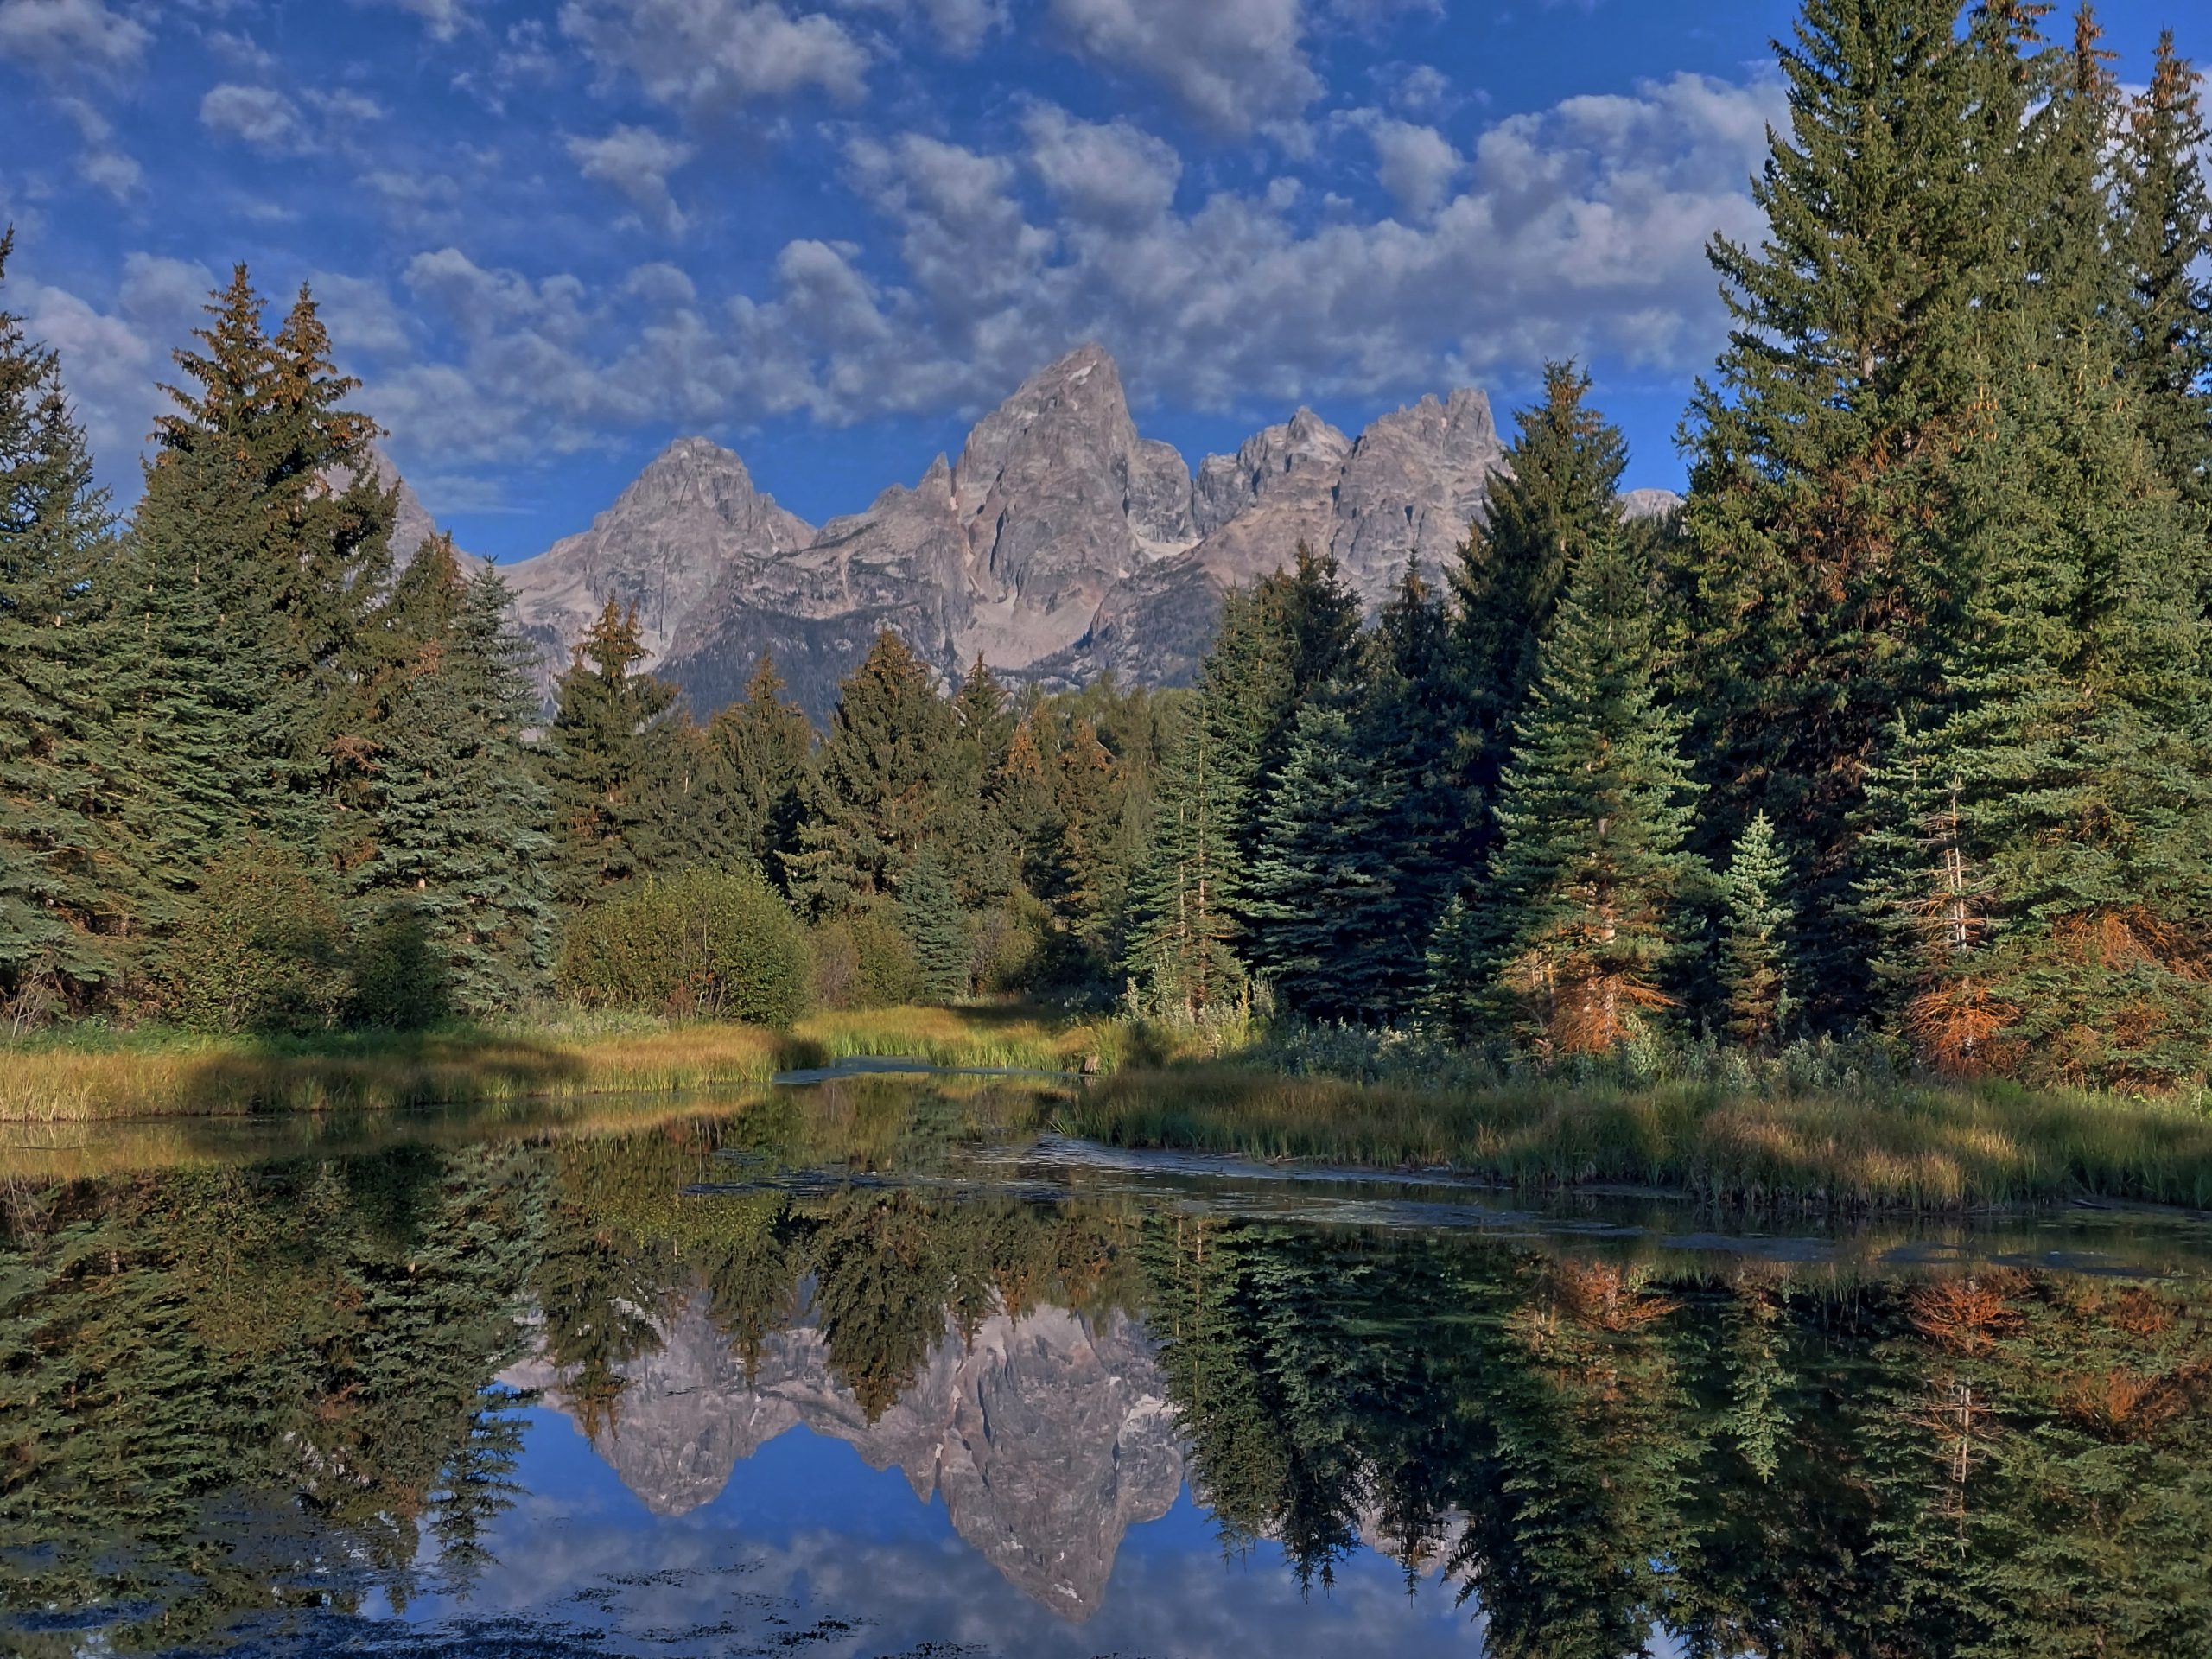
[872, 1369]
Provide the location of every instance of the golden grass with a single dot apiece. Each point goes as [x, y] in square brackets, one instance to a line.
[1915, 1148]
[101, 1075]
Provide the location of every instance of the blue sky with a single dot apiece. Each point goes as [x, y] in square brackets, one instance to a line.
[552, 235]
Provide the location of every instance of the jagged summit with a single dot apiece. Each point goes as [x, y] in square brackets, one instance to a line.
[1059, 541]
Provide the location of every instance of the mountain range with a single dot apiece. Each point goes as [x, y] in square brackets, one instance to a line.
[1059, 544]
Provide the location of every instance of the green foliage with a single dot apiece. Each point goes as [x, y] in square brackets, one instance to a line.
[1755, 956]
[459, 813]
[881, 785]
[597, 761]
[768, 746]
[57, 761]
[262, 948]
[889, 975]
[2165, 236]
[1590, 880]
[399, 974]
[714, 944]
[929, 912]
[1555, 498]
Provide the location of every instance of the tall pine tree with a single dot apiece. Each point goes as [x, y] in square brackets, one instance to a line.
[1584, 914]
[598, 756]
[57, 761]
[769, 747]
[1819, 540]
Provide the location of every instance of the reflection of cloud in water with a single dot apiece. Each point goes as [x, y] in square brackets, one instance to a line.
[625, 1582]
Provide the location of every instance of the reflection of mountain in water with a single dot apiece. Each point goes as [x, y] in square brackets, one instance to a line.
[1048, 1435]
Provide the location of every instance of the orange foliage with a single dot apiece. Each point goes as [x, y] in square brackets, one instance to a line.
[1607, 1296]
[1967, 1315]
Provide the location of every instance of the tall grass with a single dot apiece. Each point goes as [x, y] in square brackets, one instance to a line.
[92, 1073]
[1902, 1146]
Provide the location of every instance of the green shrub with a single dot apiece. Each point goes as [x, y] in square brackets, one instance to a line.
[836, 965]
[889, 977]
[719, 945]
[260, 948]
[399, 981]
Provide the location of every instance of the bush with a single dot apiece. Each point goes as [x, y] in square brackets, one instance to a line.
[260, 949]
[706, 942]
[889, 975]
[399, 981]
[836, 965]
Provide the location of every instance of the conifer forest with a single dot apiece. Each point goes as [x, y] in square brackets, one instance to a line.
[1897, 729]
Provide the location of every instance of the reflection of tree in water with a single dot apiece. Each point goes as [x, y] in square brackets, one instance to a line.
[1765, 1461]
[306, 1342]
[2014, 1465]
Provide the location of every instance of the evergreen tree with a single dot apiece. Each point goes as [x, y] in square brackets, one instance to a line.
[768, 746]
[460, 811]
[242, 601]
[930, 912]
[980, 847]
[881, 780]
[1089, 876]
[1181, 952]
[1591, 877]
[1557, 496]
[56, 756]
[1322, 879]
[2057, 900]
[1755, 968]
[2165, 233]
[1823, 568]
[597, 760]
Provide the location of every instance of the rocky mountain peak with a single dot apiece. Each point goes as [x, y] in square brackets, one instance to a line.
[691, 517]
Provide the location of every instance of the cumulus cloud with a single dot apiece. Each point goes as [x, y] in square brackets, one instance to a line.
[259, 117]
[637, 161]
[1578, 231]
[1107, 173]
[1416, 164]
[1233, 64]
[709, 55]
[67, 39]
[444, 19]
[113, 360]
[956, 26]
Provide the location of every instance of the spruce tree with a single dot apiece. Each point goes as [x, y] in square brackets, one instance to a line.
[2058, 898]
[241, 604]
[929, 912]
[1755, 966]
[1820, 547]
[1322, 881]
[1590, 880]
[57, 760]
[1089, 877]
[460, 811]
[768, 746]
[1556, 495]
[881, 780]
[597, 755]
[1181, 952]
[2165, 237]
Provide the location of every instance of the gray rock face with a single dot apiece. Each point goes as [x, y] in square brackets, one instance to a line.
[1047, 1437]
[1649, 503]
[692, 519]
[1061, 542]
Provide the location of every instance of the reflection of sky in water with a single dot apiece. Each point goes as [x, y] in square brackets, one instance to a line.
[810, 1551]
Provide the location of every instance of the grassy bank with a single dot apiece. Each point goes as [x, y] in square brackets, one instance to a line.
[88, 1074]
[1899, 1146]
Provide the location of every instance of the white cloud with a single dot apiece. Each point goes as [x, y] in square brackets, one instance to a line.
[709, 55]
[67, 39]
[1235, 64]
[637, 161]
[956, 26]
[443, 19]
[259, 117]
[1416, 164]
[1108, 172]
[362, 319]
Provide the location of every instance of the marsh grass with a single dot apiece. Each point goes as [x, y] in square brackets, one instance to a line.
[91, 1073]
[1902, 1146]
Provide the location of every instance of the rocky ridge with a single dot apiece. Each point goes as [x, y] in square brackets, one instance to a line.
[1048, 1436]
[1059, 543]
